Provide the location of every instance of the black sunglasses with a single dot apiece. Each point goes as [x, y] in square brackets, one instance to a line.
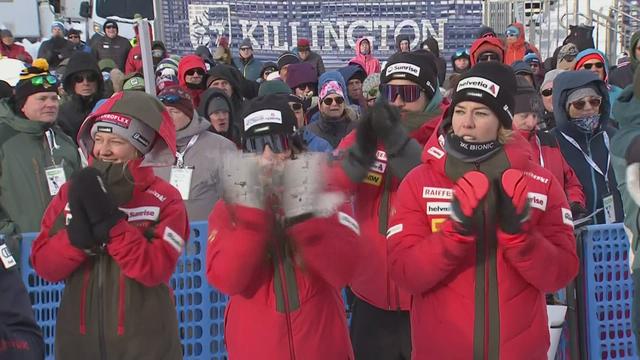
[303, 87]
[580, 104]
[295, 106]
[329, 101]
[598, 65]
[90, 77]
[488, 57]
[192, 72]
[546, 92]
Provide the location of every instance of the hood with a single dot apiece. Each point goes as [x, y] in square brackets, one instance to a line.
[626, 111]
[433, 46]
[521, 67]
[197, 125]
[485, 44]
[358, 54]
[334, 76]
[301, 73]
[160, 44]
[587, 54]
[570, 80]
[18, 122]
[521, 40]
[81, 61]
[211, 94]
[203, 52]
[348, 71]
[187, 63]
[146, 108]
[401, 38]
[632, 48]
[226, 72]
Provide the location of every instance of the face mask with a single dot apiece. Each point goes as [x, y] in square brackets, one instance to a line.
[118, 179]
[156, 53]
[587, 124]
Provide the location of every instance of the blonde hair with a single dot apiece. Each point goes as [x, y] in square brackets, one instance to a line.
[504, 135]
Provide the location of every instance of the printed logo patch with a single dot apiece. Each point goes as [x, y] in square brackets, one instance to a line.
[7, 259]
[373, 179]
[435, 152]
[349, 222]
[437, 193]
[378, 166]
[394, 230]
[141, 139]
[438, 208]
[173, 239]
[267, 116]
[115, 119]
[479, 83]
[403, 68]
[538, 201]
[150, 213]
[381, 155]
[567, 218]
[436, 224]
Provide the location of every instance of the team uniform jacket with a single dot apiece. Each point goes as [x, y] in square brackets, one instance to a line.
[314, 259]
[477, 297]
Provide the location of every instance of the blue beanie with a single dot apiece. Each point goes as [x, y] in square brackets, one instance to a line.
[57, 24]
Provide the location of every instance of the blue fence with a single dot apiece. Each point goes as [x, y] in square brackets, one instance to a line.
[607, 302]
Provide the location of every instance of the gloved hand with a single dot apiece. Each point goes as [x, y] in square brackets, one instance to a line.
[386, 123]
[468, 194]
[513, 202]
[99, 206]
[361, 155]
[632, 156]
[241, 180]
[79, 231]
[578, 212]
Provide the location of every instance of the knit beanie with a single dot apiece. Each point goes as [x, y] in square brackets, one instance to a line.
[531, 58]
[217, 104]
[109, 22]
[459, 54]
[268, 66]
[581, 92]
[107, 64]
[133, 81]
[137, 133]
[527, 99]
[418, 68]
[34, 79]
[301, 73]
[492, 84]
[593, 56]
[287, 58]
[568, 50]
[176, 97]
[273, 87]
[246, 42]
[329, 88]
[57, 24]
[550, 76]
[303, 44]
[269, 114]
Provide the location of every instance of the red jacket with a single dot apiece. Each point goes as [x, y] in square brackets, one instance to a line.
[373, 284]
[517, 50]
[134, 61]
[370, 63]
[547, 154]
[484, 44]
[15, 51]
[187, 63]
[441, 271]
[306, 320]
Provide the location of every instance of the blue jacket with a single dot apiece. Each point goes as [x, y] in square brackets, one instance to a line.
[18, 328]
[594, 184]
[250, 70]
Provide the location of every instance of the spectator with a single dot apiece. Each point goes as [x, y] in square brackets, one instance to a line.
[314, 257]
[595, 61]
[516, 46]
[57, 48]
[267, 68]
[114, 235]
[546, 90]
[622, 76]
[284, 60]
[535, 64]
[133, 82]
[106, 66]
[475, 257]
[217, 109]
[192, 76]
[111, 45]
[354, 76]
[28, 132]
[196, 173]
[403, 43]
[371, 89]
[544, 146]
[364, 54]
[225, 78]
[522, 69]
[73, 35]
[335, 119]
[205, 54]
[134, 58]
[84, 86]
[158, 52]
[302, 79]
[460, 63]
[488, 48]
[20, 335]
[311, 57]
[245, 62]
[274, 87]
[581, 109]
[486, 31]
[12, 50]
[567, 57]
[431, 44]
[166, 73]
[222, 54]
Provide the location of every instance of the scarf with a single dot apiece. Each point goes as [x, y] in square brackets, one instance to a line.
[470, 152]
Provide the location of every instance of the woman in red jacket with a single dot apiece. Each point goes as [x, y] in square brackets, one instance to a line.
[480, 233]
[281, 259]
[114, 234]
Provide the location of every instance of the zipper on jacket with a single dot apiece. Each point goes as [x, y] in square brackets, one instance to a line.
[83, 299]
[285, 295]
[121, 294]
[36, 169]
[101, 317]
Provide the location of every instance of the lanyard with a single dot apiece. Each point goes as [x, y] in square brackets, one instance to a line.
[180, 155]
[589, 159]
[540, 150]
[51, 141]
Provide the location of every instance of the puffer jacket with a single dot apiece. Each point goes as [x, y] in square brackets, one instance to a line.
[518, 49]
[251, 261]
[595, 185]
[475, 297]
[330, 130]
[117, 303]
[369, 62]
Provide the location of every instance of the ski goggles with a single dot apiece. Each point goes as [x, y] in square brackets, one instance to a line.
[461, 52]
[169, 99]
[408, 93]
[278, 143]
[40, 80]
[593, 102]
[512, 33]
[598, 65]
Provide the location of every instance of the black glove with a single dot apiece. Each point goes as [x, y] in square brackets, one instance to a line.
[513, 202]
[385, 120]
[102, 212]
[468, 194]
[579, 212]
[79, 232]
[361, 155]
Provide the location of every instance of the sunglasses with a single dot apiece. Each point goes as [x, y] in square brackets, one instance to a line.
[303, 87]
[408, 93]
[462, 52]
[40, 80]
[512, 33]
[295, 106]
[580, 104]
[329, 101]
[110, 27]
[195, 71]
[488, 57]
[278, 143]
[598, 65]
[546, 92]
[90, 77]
[245, 48]
[169, 99]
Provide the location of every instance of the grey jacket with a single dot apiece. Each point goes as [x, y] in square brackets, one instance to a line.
[205, 156]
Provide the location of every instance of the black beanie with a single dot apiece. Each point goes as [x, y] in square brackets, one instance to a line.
[418, 68]
[109, 22]
[34, 79]
[270, 114]
[492, 84]
[287, 58]
[526, 99]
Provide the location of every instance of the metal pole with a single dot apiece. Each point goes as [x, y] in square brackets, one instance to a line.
[147, 60]
[576, 11]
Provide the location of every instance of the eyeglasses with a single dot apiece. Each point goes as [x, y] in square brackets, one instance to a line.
[598, 65]
[511, 33]
[192, 72]
[295, 106]
[278, 143]
[329, 101]
[40, 80]
[593, 102]
[90, 77]
[461, 52]
[169, 99]
[408, 93]
[110, 27]
[546, 92]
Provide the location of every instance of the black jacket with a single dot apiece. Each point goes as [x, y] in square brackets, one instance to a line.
[233, 133]
[55, 50]
[116, 49]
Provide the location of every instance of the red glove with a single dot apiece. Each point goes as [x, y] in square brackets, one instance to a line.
[468, 193]
[513, 203]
